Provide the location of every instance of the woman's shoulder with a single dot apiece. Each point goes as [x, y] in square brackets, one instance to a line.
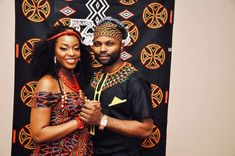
[47, 84]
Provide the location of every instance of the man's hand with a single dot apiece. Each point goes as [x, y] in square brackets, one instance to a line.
[91, 113]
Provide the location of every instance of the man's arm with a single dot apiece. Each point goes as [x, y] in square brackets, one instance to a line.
[132, 128]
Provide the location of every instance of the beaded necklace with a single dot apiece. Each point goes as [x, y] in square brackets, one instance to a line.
[74, 87]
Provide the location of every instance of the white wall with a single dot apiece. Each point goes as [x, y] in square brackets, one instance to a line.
[201, 116]
[201, 120]
[7, 32]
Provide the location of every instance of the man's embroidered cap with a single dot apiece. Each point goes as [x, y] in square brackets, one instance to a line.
[110, 27]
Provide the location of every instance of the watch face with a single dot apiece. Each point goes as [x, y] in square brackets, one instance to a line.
[104, 120]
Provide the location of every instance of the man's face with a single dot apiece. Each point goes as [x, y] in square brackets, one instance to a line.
[107, 50]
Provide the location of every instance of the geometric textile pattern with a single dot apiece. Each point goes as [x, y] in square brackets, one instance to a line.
[133, 32]
[155, 15]
[97, 9]
[152, 56]
[153, 140]
[27, 49]
[67, 11]
[95, 62]
[27, 92]
[63, 21]
[125, 55]
[25, 138]
[127, 2]
[126, 14]
[36, 10]
[156, 95]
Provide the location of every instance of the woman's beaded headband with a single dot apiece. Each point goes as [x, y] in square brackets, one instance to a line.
[66, 32]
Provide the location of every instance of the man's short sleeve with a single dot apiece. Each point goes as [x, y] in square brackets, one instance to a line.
[139, 96]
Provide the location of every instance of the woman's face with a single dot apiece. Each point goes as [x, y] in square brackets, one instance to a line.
[67, 51]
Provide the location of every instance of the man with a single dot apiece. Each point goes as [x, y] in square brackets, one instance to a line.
[126, 112]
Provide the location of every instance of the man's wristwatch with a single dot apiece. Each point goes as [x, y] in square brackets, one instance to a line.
[103, 122]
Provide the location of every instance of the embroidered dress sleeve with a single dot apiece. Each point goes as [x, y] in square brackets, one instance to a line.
[139, 95]
[44, 99]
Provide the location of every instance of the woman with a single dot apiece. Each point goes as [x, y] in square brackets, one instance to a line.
[55, 124]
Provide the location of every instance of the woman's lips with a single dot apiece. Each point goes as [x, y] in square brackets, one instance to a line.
[71, 60]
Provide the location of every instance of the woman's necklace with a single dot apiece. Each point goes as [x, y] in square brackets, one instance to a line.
[74, 87]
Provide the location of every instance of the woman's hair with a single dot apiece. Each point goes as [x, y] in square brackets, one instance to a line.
[42, 61]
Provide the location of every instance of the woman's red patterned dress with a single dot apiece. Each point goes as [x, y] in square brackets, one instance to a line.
[77, 143]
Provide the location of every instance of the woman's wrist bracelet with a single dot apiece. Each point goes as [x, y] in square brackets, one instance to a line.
[80, 123]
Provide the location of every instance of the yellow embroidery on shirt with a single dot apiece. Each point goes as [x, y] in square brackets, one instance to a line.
[116, 101]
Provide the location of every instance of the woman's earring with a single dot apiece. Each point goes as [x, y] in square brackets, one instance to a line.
[55, 60]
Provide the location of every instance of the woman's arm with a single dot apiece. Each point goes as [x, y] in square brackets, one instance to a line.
[42, 131]
[40, 117]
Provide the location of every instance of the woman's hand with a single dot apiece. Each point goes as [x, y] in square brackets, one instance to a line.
[81, 96]
[91, 113]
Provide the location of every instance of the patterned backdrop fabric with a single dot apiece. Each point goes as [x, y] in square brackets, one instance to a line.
[148, 47]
